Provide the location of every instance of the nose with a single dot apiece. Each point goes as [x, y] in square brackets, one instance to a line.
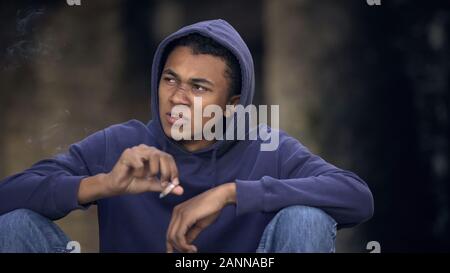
[179, 96]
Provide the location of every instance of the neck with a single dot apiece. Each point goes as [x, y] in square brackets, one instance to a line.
[195, 145]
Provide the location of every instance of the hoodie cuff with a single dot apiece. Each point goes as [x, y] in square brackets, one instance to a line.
[66, 194]
[249, 196]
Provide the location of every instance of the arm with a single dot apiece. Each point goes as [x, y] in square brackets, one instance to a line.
[50, 187]
[134, 172]
[73, 180]
[306, 179]
[191, 217]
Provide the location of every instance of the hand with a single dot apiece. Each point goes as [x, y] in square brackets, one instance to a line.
[194, 215]
[137, 169]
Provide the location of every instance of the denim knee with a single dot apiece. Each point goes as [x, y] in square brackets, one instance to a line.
[17, 221]
[299, 229]
[305, 216]
[24, 230]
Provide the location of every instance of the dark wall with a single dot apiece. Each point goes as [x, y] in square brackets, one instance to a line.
[387, 112]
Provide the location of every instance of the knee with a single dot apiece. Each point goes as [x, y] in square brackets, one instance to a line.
[300, 229]
[18, 221]
[304, 217]
[23, 230]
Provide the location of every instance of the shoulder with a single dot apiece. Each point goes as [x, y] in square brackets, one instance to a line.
[276, 140]
[131, 126]
[128, 134]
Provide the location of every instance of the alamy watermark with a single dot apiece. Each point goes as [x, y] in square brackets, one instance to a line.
[73, 247]
[73, 2]
[373, 2]
[374, 247]
[236, 119]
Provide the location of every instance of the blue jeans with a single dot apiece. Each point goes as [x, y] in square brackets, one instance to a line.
[293, 229]
[299, 229]
[25, 231]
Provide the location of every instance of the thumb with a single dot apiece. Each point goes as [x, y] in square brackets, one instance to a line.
[178, 190]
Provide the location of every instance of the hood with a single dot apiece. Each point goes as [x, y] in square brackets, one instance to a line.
[223, 33]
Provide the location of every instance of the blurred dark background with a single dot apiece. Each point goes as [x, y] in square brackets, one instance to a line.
[366, 87]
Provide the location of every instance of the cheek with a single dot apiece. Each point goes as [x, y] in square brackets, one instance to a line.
[214, 101]
[221, 102]
[161, 94]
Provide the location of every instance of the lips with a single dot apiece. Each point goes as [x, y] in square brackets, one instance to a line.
[172, 119]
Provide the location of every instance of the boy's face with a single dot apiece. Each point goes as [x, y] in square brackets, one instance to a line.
[186, 76]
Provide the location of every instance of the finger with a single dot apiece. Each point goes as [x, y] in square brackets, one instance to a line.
[154, 164]
[172, 230]
[170, 163]
[193, 232]
[126, 159]
[180, 235]
[173, 170]
[169, 247]
[164, 185]
[178, 231]
[169, 229]
[154, 169]
[145, 158]
[164, 167]
[143, 147]
[178, 190]
[172, 238]
[123, 166]
[151, 166]
[130, 160]
[171, 188]
[137, 161]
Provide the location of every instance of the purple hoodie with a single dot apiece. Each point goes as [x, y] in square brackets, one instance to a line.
[266, 180]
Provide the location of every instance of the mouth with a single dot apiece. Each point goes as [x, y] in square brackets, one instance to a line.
[171, 119]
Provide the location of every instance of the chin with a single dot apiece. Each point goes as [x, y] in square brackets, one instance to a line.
[167, 131]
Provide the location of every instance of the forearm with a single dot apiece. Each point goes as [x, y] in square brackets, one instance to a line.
[43, 189]
[343, 196]
[92, 189]
[230, 192]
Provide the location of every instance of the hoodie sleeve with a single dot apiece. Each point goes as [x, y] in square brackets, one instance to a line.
[50, 187]
[306, 179]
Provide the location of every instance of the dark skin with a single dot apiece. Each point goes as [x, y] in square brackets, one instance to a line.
[185, 76]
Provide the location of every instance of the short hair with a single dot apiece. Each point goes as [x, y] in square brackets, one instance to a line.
[200, 44]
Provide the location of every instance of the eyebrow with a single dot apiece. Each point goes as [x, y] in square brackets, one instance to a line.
[192, 80]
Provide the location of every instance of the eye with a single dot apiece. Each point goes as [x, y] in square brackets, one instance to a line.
[170, 81]
[199, 88]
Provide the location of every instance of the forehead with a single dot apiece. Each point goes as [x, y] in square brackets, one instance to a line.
[188, 65]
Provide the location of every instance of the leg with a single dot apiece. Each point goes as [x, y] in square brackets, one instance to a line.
[299, 229]
[25, 231]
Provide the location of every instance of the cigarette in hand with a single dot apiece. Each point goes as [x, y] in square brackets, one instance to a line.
[167, 190]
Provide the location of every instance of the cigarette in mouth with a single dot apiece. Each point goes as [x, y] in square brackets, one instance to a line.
[167, 190]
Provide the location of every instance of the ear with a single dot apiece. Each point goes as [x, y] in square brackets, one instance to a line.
[234, 100]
